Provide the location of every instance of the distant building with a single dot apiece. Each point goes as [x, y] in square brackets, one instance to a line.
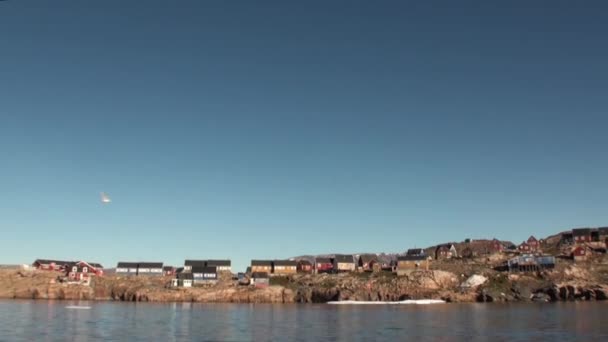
[284, 267]
[407, 263]
[260, 279]
[183, 279]
[324, 265]
[82, 271]
[533, 243]
[497, 246]
[367, 261]
[580, 253]
[445, 251]
[304, 266]
[50, 265]
[221, 265]
[140, 268]
[204, 275]
[261, 266]
[415, 252]
[530, 263]
[344, 263]
[581, 235]
[168, 270]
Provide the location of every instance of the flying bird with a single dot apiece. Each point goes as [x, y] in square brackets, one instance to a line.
[105, 198]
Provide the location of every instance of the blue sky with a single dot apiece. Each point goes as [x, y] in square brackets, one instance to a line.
[268, 130]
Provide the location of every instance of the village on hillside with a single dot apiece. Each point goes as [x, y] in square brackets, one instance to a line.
[533, 255]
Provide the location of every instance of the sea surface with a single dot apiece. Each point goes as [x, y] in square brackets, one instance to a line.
[56, 321]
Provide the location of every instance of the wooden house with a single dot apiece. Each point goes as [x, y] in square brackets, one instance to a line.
[567, 238]
[140, 268]
[169, 270]
[407, 263]
[344, 263]
[497, 246]
[530, 263]
[261, 266]
[581, 235]
[304, 266]
[324, 265]
[284, 267]
[50, 265]
[445, 251]
[220, 265]
[204, 275]
[415, 252]
[183, 279]
[259, 279]
[189, 264]
[580, 253]
[533, 243]
[367, 261]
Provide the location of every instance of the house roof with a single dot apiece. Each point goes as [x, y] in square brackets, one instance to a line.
[366, 258]
[581, 231]
[411, 258]
[94, 264]
[285, 262]
[343, 258]
[259, 275]
[195, 263]
[261, 262]
[168, 268]
[150, 265]
[207, 269]
[304, 262]
[139, 265]
[323, 260]
[603, 230]
[218, 263]
[179, 270]
[415, 251]
[532, 238]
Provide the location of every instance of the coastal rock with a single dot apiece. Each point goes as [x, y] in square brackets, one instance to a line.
[474, 281]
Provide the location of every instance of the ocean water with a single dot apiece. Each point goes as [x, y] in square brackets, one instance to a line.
[115, 321]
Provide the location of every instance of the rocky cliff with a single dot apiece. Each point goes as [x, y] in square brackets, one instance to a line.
[453, 281]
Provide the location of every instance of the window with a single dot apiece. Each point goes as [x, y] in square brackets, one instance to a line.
[85, 269]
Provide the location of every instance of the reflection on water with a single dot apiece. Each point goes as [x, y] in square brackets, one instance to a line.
[52, 321]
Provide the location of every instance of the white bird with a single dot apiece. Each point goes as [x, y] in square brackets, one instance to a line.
[105, 198]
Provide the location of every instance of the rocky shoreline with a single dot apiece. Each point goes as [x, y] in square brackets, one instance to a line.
[455, 282]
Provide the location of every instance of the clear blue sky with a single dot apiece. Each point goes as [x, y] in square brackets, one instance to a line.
[230, 129]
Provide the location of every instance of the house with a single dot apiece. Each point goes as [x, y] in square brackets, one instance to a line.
[304, 266]
[567, 238]
[344, 263]
[580, 253]
[497, 246]
[50, 265]
[467, 253]
[324, 265]
[603, 233]
[407, 263]
[284, 267]
[367, 261]
[445, 251]
[189, 264]
[533, 243]
[140, 268]
[581, 235]
[530, 263]
[220, 265]
[204, 275]
[183, 279]
[168, 270]
[415, 252]
[261, 266]
[260, 279]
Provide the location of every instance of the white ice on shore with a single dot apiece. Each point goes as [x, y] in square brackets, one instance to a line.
[409, 301]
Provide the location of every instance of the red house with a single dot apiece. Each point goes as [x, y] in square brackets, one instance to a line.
[579, 253]
[169, 270]
[533, 242]
[497, 246]
[524, 247]
[581, 235]
[324, 265]
[304, 266]
[82, 270]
